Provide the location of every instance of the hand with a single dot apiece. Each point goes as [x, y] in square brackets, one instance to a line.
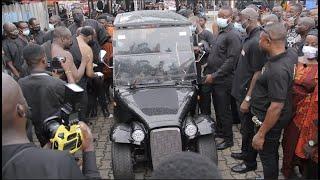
[87, 138]
[257, 142]
[196, 49]
[66, 66]
[244, 107]
[307, 150]
[209, 79]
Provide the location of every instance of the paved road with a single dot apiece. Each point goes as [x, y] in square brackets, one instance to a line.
[101, 128]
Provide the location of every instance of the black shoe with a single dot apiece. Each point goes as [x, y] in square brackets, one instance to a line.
[242, 168]
[224, 145]
[239, 156]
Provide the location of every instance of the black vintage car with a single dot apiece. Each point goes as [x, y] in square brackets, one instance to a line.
[155, 92]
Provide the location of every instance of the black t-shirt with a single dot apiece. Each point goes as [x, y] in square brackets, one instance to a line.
[275, 85]
[13, 49]
[36, 163]
[45, 96]
[250, 61]
[38, 37]
[224, 53]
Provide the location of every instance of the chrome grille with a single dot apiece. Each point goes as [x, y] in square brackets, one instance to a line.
[163, 142]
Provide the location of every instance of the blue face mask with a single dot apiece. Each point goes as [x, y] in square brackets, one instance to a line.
[239, 27]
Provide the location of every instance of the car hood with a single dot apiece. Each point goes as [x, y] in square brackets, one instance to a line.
[159, 107]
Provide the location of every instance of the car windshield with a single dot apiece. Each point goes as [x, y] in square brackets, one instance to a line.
[153, 56]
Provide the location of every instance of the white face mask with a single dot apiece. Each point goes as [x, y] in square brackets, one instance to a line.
[239, 27]
[310, 52]
[222, 23]
[51, 26]
[26, 32]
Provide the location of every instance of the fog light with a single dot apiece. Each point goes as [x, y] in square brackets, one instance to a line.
[138, 135]
[190, 130]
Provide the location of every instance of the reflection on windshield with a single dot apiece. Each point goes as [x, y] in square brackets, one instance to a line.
[156, 55]
[153, 68]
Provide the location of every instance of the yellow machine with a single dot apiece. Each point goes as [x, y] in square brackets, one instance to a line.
[65, 139]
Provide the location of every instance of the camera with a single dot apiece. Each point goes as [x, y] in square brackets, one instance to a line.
[62, 129]
[56, 63]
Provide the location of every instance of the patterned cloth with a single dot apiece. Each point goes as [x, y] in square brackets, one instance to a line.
[302, 128]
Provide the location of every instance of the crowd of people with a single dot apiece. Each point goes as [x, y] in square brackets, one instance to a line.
[259, 67]
[262, 68]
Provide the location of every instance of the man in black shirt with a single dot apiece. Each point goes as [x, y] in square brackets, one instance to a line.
[248, 68]
[36, 33]
[24, 32]
[207, 39]
[219, 73]
[22, 159]
[13, 47]
[44, 93]
[271, 99]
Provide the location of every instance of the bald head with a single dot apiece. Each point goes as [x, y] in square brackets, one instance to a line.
[250, 13]
[61, 32]
[277, 31]
[307, 21]
[269, 18]
[12, 98]
[54, 19]
[9, 27]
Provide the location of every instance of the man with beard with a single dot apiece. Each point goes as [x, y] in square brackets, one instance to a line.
[291, 20]
[13, 47]
[36, 33]
[271, 101]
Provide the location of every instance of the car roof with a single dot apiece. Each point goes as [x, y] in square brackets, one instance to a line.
[150, 17]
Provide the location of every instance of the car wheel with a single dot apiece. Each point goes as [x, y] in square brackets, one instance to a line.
[206, 146]
[122, 163]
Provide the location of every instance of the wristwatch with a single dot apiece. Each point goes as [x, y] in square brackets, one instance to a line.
[247, 98]
[311, 143]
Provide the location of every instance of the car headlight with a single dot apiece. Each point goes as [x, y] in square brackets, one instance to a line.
[138, 135]
[190, 130]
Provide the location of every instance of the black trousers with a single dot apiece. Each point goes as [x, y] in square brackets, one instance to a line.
[269, 155]
[247, 132]
[205, 99]
[221, 97]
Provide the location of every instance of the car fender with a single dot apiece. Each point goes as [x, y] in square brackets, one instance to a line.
[121, 133]
[205, 125]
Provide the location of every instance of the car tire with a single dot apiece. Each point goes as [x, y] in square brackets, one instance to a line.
[206, 147]
[122, 162]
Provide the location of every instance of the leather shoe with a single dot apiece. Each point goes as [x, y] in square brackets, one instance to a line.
[224, 145]
[239, 156]
[242, 168]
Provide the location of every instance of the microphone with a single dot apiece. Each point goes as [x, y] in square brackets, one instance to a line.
[305, 65]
